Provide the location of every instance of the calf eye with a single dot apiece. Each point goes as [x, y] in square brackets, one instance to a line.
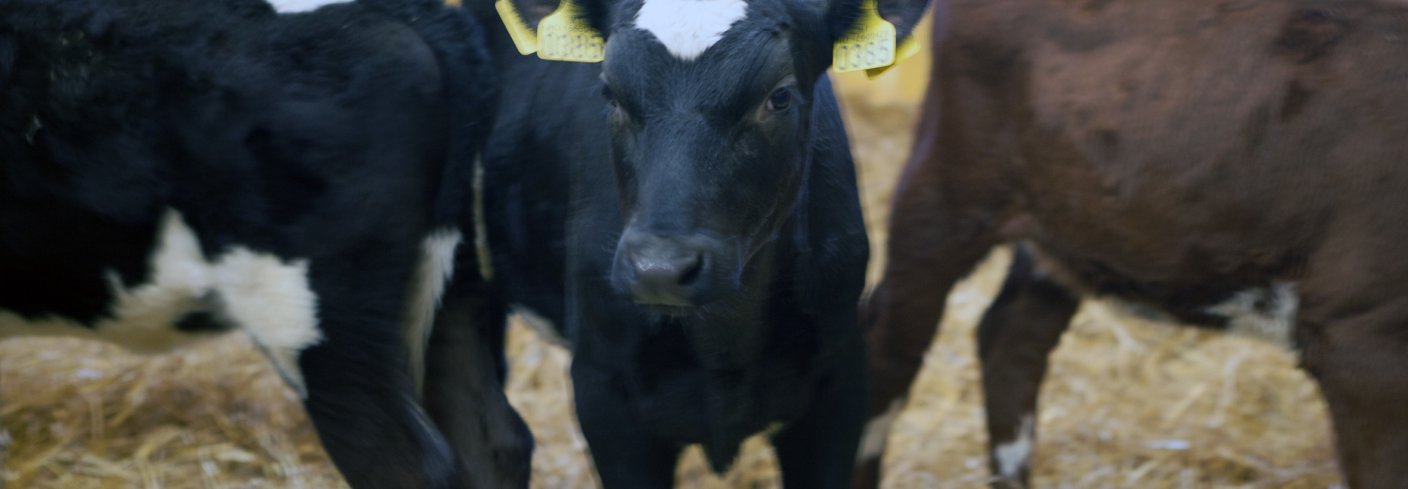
[780, 100]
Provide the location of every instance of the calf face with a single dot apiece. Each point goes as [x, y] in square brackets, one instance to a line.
[708, 103]
[707, 131]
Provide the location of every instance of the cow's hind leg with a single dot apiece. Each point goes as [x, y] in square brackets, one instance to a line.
[817, 449]
[360, 396]
[1361, 365]
[1016, 335]
[930, 249]
[464, 387]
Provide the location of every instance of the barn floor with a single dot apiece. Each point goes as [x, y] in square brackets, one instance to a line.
[1128, 404]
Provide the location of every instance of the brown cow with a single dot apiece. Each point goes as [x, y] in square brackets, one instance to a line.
[1239, 164]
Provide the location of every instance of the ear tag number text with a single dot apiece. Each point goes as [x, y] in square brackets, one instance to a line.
[565, 36]
[907, 48]
[869, 44]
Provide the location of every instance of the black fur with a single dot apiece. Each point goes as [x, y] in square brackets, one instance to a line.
[341, 137]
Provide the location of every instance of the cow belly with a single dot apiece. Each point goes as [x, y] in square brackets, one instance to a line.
[1265, 313]
[1254, 305]
[189, 297]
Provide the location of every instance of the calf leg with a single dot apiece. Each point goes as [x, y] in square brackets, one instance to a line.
[1362, 368]
[928, 254]
[464, 387]
[361, 399]
[818, 449]
[369, 422]
[625, 455]
[1015, 337]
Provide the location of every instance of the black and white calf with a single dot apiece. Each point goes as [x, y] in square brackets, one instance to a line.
[171, 170]
[687, 212]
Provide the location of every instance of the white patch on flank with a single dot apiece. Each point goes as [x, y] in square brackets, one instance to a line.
[872, 441]
[1014, 455]
[272, 301]
[545, 328]
[259, 292]
[687, 28]
[437, 265]
[1265, 312]
[296, 6]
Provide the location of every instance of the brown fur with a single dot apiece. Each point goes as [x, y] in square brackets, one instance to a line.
[1172, 153]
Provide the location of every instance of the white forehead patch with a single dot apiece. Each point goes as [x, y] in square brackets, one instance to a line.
[687, 28]
[295, 6]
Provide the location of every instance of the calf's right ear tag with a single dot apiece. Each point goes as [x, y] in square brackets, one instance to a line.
[523, 37]
[869, 44]
[564, 36]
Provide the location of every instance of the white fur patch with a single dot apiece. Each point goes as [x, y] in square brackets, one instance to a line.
[1014, 455]
[872, 441]
[259, 292]
[437, 265]
[272, 301]
[687, 28]
[296, 6]
[544, 327]
[1268, 313]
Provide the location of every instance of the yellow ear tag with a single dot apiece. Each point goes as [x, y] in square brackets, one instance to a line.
[869, 44]
[563, 36]
[908, 48]
[523, 37]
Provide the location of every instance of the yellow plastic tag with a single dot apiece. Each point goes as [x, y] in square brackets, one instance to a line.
[523, 37]
[870, 44]
[907, 48]
[563, 36]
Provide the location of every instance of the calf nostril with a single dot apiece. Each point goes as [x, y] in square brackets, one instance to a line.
[691, 269]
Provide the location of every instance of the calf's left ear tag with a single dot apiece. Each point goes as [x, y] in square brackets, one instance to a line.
[523, 36]
[869, 44]
[907, 48]
[565, 36]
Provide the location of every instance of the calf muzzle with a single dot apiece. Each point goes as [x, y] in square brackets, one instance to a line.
[665, 271]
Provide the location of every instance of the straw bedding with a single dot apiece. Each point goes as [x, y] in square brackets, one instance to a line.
[1128, 403]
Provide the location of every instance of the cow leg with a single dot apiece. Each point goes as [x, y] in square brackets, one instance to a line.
[360, 395]
[928, 254]
[625, 455]
[1017, 333]
[819, 448]
[464, 387]
[1362, 368]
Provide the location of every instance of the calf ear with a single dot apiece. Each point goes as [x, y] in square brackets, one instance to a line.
[830, 243]
[843, 15]
[594, 12]
[533, 11]
[576, 34]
